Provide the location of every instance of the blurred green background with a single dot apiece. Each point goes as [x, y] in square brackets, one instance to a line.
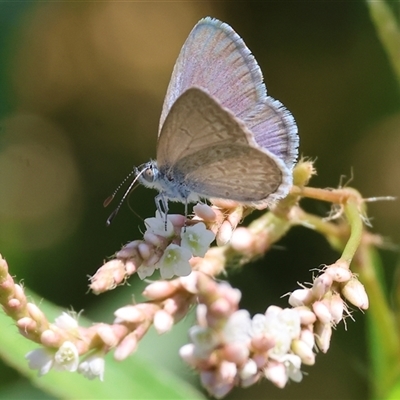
[81, 90]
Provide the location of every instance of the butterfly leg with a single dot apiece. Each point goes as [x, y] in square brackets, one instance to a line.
[162, 207]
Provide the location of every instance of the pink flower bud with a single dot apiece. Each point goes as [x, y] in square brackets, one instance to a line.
[130, 314]
[321, 286]
[322, 312]
[205, 212]
[126, 347]
[159, 290]
[303, 351]
[145, 250]
[307, 336]
[163, 321]
[187, 353]
[242, 240]
[300, 297]
[338, 274]
[337, 306]
[307, 317]
[323, 334]
[235, 352]
[354, 291]
[50, 338]
[224, 233]
[276, 373]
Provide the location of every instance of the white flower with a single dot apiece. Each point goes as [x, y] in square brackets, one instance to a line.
[197, 239]
[157, 226]
[67, 323]
[269, 325]
[93, 366]
[293, 364]
[41, 359]
[66, 358]
[291, 319]
[237, 328]
[144, 271]
[204, 340]
[175, 261]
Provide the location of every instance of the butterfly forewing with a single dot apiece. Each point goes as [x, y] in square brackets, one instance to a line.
[215, 58]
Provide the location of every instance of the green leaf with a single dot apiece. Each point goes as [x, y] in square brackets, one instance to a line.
[133, 378]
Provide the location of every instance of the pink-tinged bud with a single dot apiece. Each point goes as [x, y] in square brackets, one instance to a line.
[336, 307]
[177, 220]
[130, 314]
[26, 324]
[224, 203]
[162, 322]
[232, 295]
[189, 283]
[107, 335]
[126, 347]
[323, 334]
[224, 233]
[212, 382]
[322, 312]
[354, 291]
[154, 240]
[242, 240]
[235, 352]
[261, 360]
[262, 343]
[339, 274]
[307, 336]
[36, 313]
[300, 297]
[227, 371]
[276, 373]
[131, 266]
[13, 304]
[303, 351]
[205, 212]
[250, 381]
[187, 353]
[105, 277]
[50, 338]
[220, 308]
[159, 290]
[307, 317]
[321, 286]
[130, 250]
[19, 293]
[145, 250]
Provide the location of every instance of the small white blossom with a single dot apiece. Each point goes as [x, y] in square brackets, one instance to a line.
[66, 357]
[93, 366]
[144, 271]
[157, 226]
[293, 364]
[175, 261]
[204, 340]
[237, 328]
[41, 359]
[197, 239]
[66, 322]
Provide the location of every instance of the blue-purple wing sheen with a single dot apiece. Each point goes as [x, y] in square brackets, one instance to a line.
[220, 135]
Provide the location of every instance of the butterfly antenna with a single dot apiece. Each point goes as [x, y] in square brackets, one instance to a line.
[110, 198]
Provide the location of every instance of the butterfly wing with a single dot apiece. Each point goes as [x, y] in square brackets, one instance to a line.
[215, 58]
[275, 129]
[206, 148]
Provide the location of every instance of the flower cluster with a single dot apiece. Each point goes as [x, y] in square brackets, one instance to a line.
[228, 348]
[167, 246]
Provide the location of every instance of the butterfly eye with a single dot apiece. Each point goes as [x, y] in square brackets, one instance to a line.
[148, 174]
